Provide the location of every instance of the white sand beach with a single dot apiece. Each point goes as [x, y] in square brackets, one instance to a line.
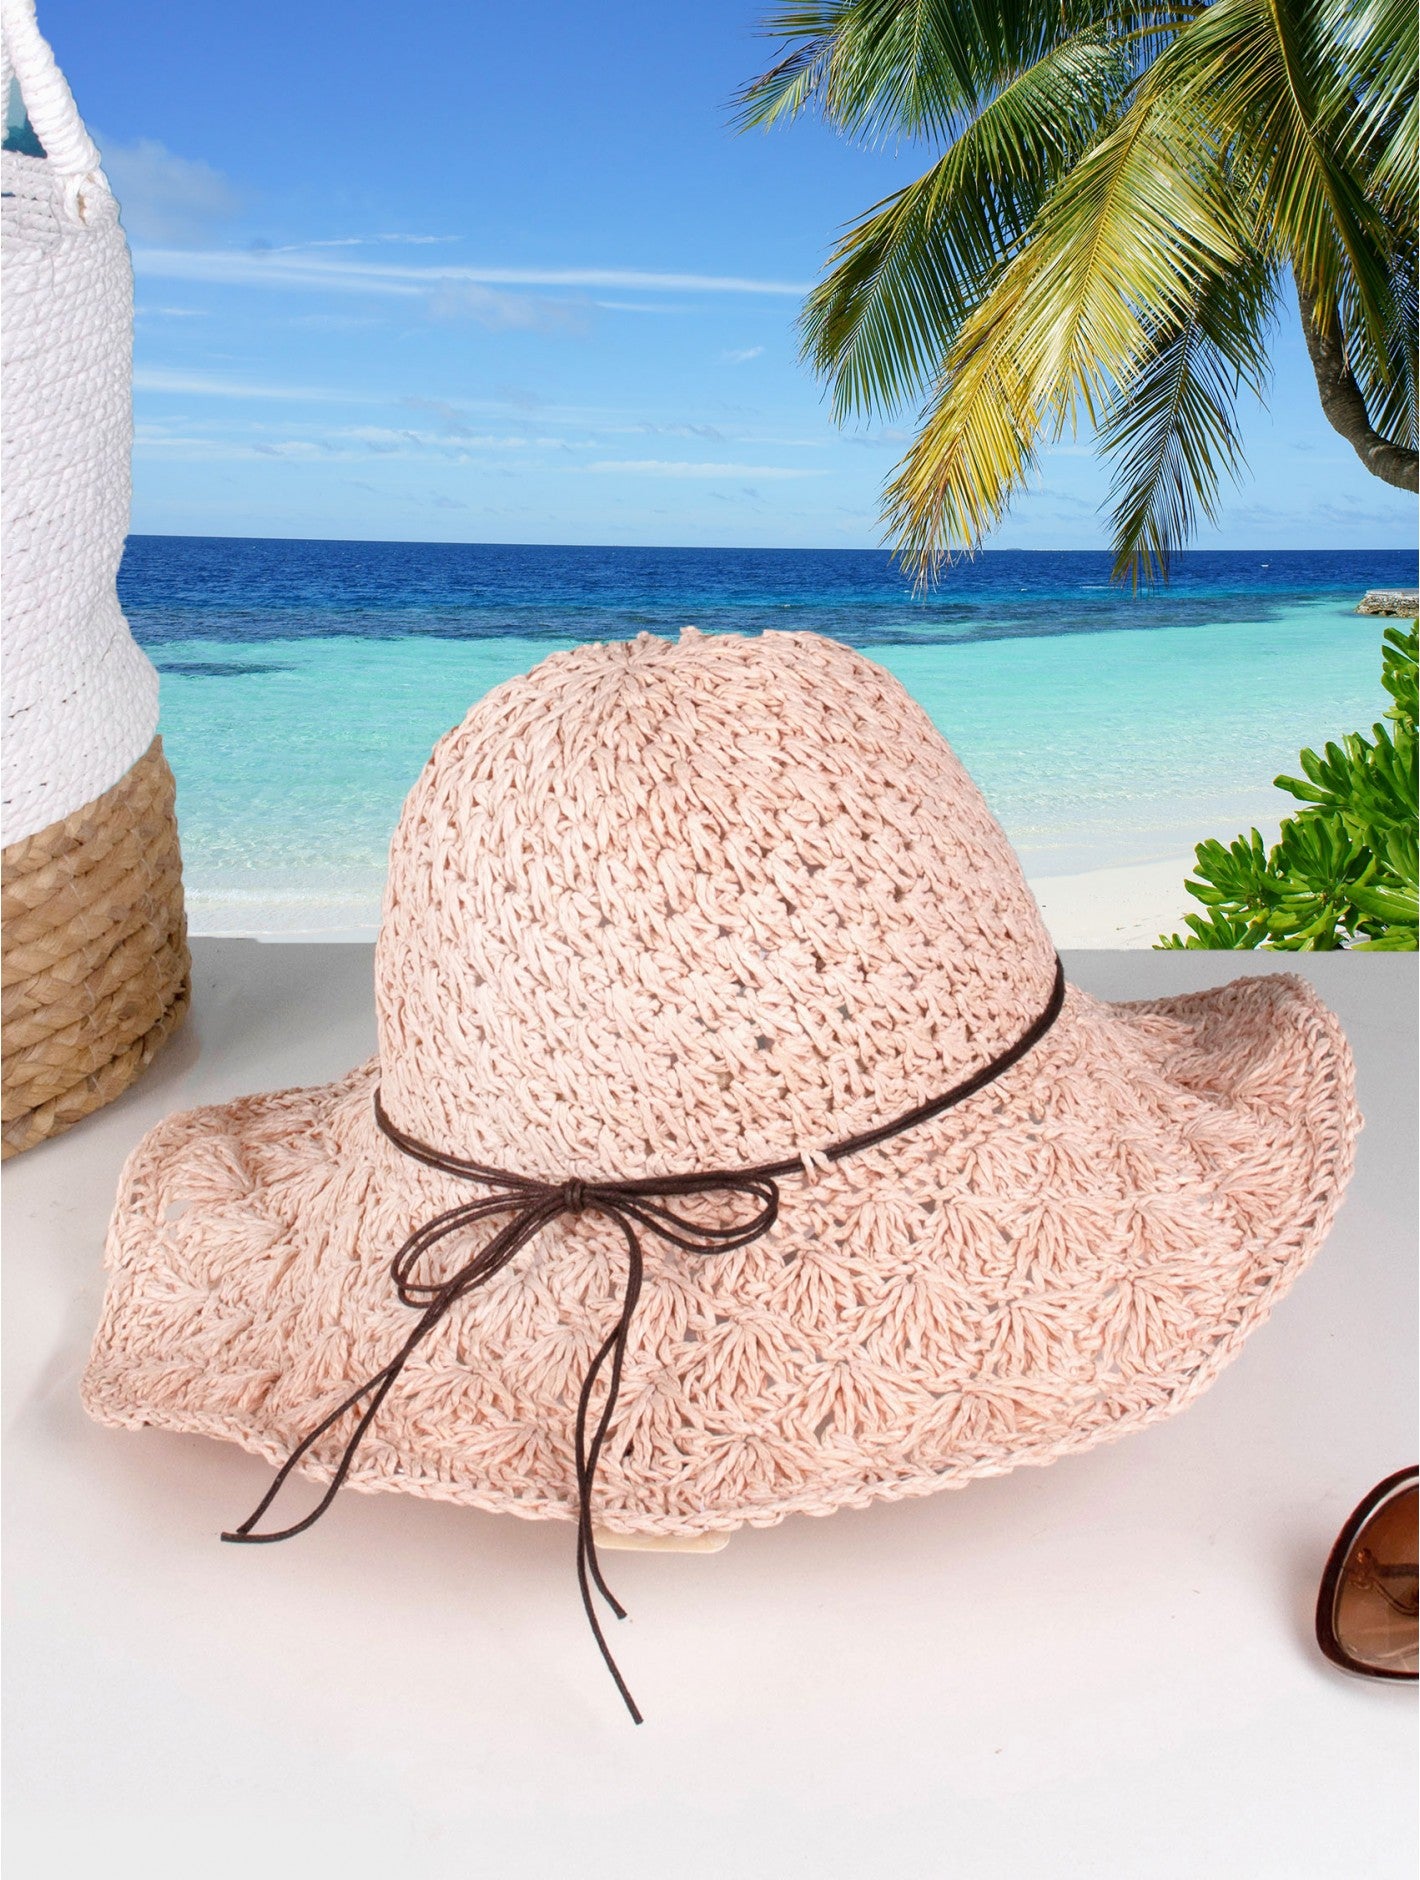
[1128, 906]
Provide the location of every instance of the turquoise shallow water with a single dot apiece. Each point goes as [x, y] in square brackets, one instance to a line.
[1095, 748]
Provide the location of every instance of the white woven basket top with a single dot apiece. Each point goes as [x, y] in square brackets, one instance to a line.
[80, 699]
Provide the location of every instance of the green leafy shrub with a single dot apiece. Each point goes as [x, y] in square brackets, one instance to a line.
[1343, 872]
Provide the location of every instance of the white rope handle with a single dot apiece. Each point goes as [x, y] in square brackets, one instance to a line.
[49, 103]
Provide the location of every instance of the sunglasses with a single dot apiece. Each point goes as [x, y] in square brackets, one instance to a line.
[1366, 1612]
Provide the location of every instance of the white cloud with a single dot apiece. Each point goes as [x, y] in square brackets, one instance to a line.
[589, 426]
[345, 443]
[506, 313]
[740, 356]
[202, 385]
[364, 241]
[682, 430]
[164, 198]
[287, 268]
[385, 437]
[328, 322]
[656, 467]
[638, 306]
[454, 420]
[890, 437]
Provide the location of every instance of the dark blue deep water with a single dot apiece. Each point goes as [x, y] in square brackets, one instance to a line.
[244, 590]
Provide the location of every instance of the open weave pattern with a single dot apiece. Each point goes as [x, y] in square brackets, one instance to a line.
[79, 702]
[95, 966]
[696, 904]
[664, 907]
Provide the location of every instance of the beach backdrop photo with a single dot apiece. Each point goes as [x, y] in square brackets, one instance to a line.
[500, 331]
[556, 559]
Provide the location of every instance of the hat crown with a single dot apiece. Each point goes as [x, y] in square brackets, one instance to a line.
[661, 906]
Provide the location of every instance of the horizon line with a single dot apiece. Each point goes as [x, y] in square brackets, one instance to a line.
[736, 548]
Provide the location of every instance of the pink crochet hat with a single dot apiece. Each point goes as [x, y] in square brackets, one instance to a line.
[742, 1150]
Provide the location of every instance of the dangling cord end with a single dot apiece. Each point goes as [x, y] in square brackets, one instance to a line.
[380, 1384]
[589, 1571]
[244, 1532]
[587, 1559]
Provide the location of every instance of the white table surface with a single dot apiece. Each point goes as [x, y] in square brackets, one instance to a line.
[1103, 1668]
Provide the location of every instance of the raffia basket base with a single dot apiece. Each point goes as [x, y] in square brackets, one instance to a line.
[96, 971]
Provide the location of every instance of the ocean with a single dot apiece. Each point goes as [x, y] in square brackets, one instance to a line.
[303, 684]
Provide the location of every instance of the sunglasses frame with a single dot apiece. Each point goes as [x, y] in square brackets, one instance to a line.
[1331, 1580]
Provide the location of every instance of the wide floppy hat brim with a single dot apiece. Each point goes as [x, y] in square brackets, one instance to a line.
[1072, 1253]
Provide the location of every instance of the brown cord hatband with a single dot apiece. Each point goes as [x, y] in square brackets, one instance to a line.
[533, 1205]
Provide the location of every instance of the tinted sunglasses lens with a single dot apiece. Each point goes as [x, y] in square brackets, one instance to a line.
[1375, 1616]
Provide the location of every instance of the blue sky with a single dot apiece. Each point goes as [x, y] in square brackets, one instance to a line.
[451, 272]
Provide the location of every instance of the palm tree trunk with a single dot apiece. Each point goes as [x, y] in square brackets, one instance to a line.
[1345, 408]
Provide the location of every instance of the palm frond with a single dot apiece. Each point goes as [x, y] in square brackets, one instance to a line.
[903, 279]
[1256, 71]
[1370, 96]
[1387, 374]
[1172, 430]
[797, 78]
[889, 68]
[1120, 249]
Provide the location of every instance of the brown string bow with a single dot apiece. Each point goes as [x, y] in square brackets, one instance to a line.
[531, 1206]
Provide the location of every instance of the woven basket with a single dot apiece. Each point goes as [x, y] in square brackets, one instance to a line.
[95, 965]
[96, 971]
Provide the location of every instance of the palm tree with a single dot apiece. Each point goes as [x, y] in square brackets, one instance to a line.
[1119, 195]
